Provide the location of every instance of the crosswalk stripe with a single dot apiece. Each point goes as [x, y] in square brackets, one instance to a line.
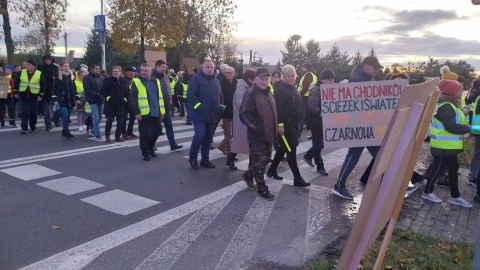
[317, 217]
[241, 247]
[170, 250]
[166, 149]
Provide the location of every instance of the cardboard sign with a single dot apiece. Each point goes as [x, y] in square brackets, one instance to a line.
[358, 114]
[152, 56]
[4, 85]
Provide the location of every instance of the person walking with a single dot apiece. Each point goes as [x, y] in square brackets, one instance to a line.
[127, 132]
[307, 82]
[146, 101]
[159, 73]
[114, 92]
[50, 71]
[204, 95]
[289, 110]
[29, 87]
[229, 84]
[64, 96]
[92, 84]
[258, 113]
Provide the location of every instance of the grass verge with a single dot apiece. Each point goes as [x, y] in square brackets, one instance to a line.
[411, 251]
[465, 158]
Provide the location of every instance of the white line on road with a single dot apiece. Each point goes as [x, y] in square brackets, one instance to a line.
[318, 216]
[169, 252]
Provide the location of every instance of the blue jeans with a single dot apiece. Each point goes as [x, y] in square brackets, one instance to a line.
[189, 111]
[65, 115]
[475, 159]
[167, 121]
[352, 158]
[97, 117]
[46, 112]
[203, 136]
[29, 113]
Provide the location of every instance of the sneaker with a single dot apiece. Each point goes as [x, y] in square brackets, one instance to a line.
[342, 192]
[472, 183]
[23, 131]
[91, 133]
[322, 172]
[421, 183]
[98, 137]
[411, 188]
[308, 161]
[476, 199]
[443, 183]
[431, 197]
[461, 202]
[80, 129]
[266, 194]
[12, 126]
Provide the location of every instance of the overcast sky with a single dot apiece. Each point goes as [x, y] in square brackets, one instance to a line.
[402, 31]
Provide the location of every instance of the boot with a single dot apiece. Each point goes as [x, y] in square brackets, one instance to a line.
[299, 182]
[231, 165]
[272, 172]
[107, 138]
[132, 135]
[124, 136]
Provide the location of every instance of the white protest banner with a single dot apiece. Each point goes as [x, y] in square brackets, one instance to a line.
[4, 86]
[357, 114]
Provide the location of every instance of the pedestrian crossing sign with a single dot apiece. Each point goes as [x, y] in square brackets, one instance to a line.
[99, 23]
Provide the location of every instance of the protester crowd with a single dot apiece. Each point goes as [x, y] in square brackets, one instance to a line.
[258, 112]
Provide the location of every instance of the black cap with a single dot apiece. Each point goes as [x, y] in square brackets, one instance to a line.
[262, 71]
[131, 69]
[31, 62]
[307, 66]
[327, 74]
[372, 61]
[47, 56]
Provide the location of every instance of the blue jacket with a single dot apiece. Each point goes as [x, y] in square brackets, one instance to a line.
[358, 75]
[204, 96]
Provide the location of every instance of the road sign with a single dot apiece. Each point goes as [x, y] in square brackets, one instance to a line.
[99, 23]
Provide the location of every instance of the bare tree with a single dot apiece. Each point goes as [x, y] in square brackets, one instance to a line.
[7, 31]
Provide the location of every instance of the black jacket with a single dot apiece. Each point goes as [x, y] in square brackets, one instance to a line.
[289, 110]
[228, 90]
[165, 84]
[115, 93]
[27, 94]
[64, 92]
[50, 72]
[92, 85]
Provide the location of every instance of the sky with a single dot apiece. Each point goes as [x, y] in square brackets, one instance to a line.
[400, 32]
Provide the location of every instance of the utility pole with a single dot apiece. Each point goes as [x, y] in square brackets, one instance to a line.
[66, 51]
[102, 40]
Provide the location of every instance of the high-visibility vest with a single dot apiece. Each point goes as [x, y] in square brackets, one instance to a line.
[464, 104]
[79, 87]
[441, 138]
[185, 89]
[475, 118]
[10, 89]
[143, 98]
[88, 109]
[312, 84]
[271, 88]
[34, 82]
[172, 85]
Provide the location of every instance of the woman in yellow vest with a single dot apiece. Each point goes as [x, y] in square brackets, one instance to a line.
[81, 115]
[447, 128]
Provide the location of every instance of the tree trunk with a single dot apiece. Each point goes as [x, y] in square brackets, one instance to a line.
[7, 30]
[182, 52]
[142, 47]
[47, 31]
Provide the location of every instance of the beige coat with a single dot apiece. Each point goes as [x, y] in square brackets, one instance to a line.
[239, 140]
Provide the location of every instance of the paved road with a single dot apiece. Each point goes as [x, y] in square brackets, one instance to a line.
[86, 204]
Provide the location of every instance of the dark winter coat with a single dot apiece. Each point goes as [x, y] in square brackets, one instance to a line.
[314, 116]
[92, 84]
[204, 96]
[289, 110]
[50, 72]
[115, 94]
[128, 82]
[165, 84]
[27, 94]
[64, 91]
[446, 115]
[258, 112]
[358, 75]
[228, 90]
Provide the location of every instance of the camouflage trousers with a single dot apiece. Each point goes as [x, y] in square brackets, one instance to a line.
[258, 161]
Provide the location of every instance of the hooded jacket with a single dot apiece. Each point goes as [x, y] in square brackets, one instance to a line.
[50, 72]
[165, 83]
[358, 75]
[205, 96]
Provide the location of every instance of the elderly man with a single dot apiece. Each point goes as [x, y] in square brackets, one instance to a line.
[258, 112]
[360, 73]
[146, 101]
[228, 90]
[204, 95]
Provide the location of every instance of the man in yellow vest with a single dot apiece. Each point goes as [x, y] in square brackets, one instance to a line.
[146, 101]
[307, 82]
[29, 87]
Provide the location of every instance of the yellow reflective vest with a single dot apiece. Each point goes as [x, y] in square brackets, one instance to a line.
[34, 82]
[475, 118]
[312, 84]
[79, 87]
[172, 85]
[10, 89]
[441, 138]
[143, 98]
[185, 89]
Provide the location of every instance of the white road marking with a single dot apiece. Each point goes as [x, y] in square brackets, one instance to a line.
[30, 172]
[70, 185]
[318, 216]
[169, 252]
[120, 202]
[80, 256]
[241, 247]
